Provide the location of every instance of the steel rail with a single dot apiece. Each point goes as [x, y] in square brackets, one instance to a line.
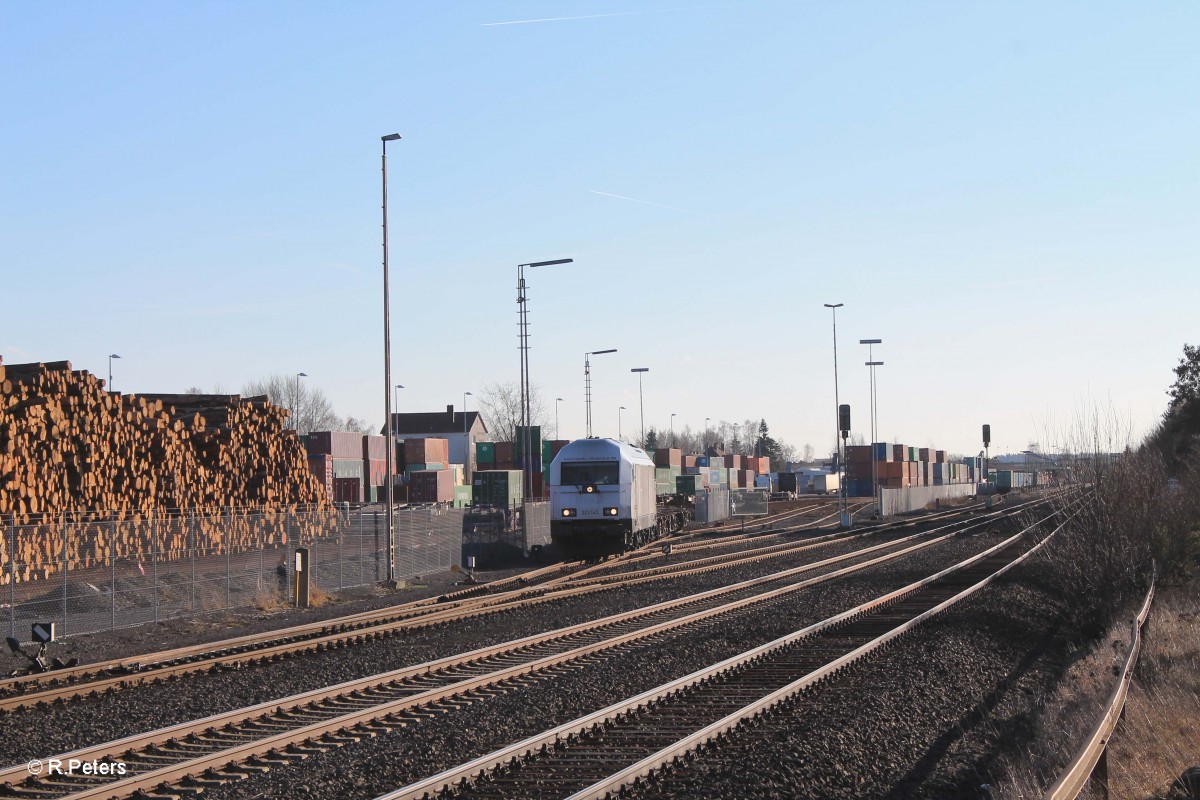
[1094, 751]
[192, 658]
[372, 625]
[498, 760]
[305, 703]
[378, 624]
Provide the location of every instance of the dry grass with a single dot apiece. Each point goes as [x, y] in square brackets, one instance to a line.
[269, 600]
[1160, 734]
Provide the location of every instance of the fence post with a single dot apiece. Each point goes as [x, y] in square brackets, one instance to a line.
[12, 577]
[154, 560]
[338, 532]
[192, 539]
[226, 542]
[112, 562]
[375, 517]
[64, 572]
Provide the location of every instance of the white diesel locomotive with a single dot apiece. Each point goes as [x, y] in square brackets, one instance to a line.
[603, 499]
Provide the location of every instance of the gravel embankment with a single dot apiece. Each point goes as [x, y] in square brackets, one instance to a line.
[927, 719]
[378, 765]
[40, 732]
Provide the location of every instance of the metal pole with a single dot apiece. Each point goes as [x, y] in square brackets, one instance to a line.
[587, 392]
[154, 560]
[387, 372]
[642, 409]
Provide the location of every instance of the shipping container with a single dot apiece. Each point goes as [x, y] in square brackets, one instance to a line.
[912, 454]
[824, 483]
[535, 441]
[375, 472]
[690, 461]
[939, 456]
[347, 468]
[374, 448]
[668, 457]
[339, 444]
[690, 484]
[462, 496]
[504, 453]
[703, 461]
[432, 486]
[787, 481]
[497, 488]
[882, 451]
[426, 451]
[426, 467]
[923, 454]
[899, 452]
[485, 452]
[347, 490]
[322, 466]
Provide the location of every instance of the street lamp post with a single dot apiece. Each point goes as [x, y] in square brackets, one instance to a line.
[872, 363]
[389, 433]
[466, 441]
[296, 420]
[641, 404]
[587, 384]
[619, 410]
[523, 337]
[706, 420]
[557, 400]
[833, 307]
[111, 356]
[672, 430]
[399, 386]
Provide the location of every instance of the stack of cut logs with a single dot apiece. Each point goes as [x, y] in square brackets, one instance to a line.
[110, 476]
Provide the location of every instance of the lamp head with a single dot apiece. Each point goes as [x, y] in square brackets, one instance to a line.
[391, 137]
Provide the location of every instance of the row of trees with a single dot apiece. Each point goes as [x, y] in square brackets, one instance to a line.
[500, 404]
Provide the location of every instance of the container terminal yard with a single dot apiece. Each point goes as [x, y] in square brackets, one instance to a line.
[567, 399]
[607, 620]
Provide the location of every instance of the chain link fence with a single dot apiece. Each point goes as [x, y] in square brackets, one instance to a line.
[87, 574]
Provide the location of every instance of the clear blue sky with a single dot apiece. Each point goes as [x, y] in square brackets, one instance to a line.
[1008, 194]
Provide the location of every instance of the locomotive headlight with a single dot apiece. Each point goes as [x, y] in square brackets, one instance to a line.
[589, 489]
[568, 512]
[610, 512]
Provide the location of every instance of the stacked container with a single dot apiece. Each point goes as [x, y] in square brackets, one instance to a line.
[497, 488]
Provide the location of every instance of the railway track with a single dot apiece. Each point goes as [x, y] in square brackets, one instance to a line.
[101, 677]
[596, 755]
[221, 748]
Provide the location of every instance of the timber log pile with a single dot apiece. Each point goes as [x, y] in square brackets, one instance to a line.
[75, 458]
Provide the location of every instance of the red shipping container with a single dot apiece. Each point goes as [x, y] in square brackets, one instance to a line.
[858, 453]
[689, 461]
[374, 448]
[899, 452]
[504, 454]
[375, 472]
[940, 456]
[923, 453]
[427, 451]
[431, 486]
[322, 466]
[347, 490]
[668, 457]
[339, 444]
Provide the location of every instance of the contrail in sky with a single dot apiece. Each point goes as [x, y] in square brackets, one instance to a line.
[647, 202]
[596, 16]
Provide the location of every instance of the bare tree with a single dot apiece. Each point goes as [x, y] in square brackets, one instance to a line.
[311, 409]
[359, 425]
[500, 404]
[808, 453]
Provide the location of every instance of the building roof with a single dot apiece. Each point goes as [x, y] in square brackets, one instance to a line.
[433, 422]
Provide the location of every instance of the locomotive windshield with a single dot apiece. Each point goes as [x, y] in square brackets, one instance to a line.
[582, 473]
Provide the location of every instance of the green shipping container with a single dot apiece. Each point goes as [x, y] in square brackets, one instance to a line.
[347, 468]
[535, 440]
[547, 453]
[423, 467]
[912, 454]
[689, 484]
[499, 488]
[462, 496]
[485, 452]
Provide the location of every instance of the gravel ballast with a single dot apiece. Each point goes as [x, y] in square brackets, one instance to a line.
[374, 766]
